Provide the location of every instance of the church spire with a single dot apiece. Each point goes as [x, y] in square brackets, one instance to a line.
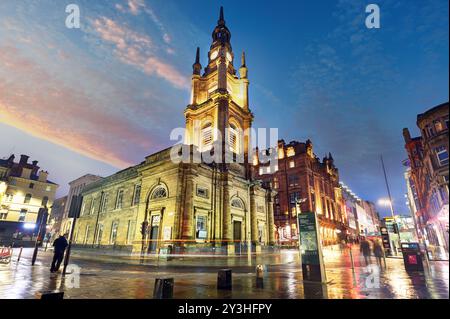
[221, 35]
[221, 19]
[197, 67]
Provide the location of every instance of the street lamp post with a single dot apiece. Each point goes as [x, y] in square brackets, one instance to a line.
[390, 202]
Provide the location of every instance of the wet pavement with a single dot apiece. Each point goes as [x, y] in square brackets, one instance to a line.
[196, 277]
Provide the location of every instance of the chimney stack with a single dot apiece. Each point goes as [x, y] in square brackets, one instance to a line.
[23, 159]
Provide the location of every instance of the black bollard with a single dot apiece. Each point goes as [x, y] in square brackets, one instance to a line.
[224, 279]
[52, 295]
[163, 288]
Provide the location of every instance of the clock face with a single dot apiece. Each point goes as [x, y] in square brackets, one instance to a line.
[229, 57]
[214, 55]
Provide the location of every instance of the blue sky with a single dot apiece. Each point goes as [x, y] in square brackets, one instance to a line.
[100, 98]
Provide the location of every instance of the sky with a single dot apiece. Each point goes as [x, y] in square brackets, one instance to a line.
[102, 97]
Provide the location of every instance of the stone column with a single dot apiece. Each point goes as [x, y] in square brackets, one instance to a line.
[227, 226]
[270, 221]
[253, 219]
[188, 214]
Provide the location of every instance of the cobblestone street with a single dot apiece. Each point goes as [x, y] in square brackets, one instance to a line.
[195, 277]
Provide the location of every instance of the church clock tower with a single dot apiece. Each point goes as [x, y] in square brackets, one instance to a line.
[219, 107]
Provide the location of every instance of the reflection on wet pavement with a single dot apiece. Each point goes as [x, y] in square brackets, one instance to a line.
[196, 277]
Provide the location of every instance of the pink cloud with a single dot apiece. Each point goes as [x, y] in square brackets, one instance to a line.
[44, 107]
[138, 50]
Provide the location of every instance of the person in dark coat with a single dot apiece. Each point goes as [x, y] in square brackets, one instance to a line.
[60, 245]
[365, 249]
[378, 251]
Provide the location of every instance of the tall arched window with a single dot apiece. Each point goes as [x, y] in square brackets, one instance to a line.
[159, 192]
[206, 136]
[234, 138]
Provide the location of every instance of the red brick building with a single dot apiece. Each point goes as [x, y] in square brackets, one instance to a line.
[300, 174]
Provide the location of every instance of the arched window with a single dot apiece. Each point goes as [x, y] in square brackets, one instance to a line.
[159, 192]
[206, 136]
[233, 134]
[237, 203]
[27, 198]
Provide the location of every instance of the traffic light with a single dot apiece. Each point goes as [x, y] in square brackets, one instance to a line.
[395, 225]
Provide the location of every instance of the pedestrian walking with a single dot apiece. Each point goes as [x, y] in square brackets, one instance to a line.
[60, 245]
[365, 249]
[378, 252]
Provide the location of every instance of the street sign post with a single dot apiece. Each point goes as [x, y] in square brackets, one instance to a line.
[313, 268]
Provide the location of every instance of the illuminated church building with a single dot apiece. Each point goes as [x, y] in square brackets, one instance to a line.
[190, 206]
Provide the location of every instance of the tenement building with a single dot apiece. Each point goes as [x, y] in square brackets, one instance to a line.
[194, 205]
[24, 189]
[428, 172]
[301, 175]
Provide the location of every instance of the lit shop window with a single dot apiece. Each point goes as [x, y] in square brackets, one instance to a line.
[291, 164]
[201, 232]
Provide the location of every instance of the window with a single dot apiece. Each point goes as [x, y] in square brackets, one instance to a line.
[159, 192]
[48, 188]
[291, 164]
[234, 141]
[261, 172]
[438, 126]
[3, 215]
[44, 201]
[442, 155]
[202, 192]
[27, 199]
[9, 197]
[276, 184]
[98, 240]
[290, 152]
[119, 199]
[260, 233]
[207, 137]
[86, 234]
[31, 185]
[136, 195]
[201, 231]
[293, 180]
[22, 215]
[91, 210]
[293, 197]
[237, 203]
[104, 203]
[114, 227]
[130, 231]
[429, 130]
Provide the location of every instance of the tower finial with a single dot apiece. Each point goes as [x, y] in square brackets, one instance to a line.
[197, 67]
[221, 18]
[243, 59]
[197, 55]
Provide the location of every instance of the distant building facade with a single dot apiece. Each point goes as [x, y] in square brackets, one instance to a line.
[300, 174]
[57, 216]
[75, 188]
[429, 174]
[24, 189]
